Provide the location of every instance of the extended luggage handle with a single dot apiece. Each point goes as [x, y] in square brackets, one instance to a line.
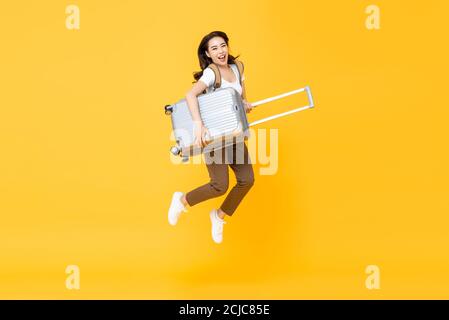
[257, 103]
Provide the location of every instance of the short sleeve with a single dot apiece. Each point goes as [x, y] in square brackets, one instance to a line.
[208, 77]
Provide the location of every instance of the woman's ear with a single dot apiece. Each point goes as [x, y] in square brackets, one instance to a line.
[207, 54]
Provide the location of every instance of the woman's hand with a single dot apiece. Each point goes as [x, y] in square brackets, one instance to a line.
[248, 106]
[202, 135]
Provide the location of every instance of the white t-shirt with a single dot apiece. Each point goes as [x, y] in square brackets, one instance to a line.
[208, 78]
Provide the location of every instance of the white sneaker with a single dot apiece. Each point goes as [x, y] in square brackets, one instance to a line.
[176, 208]
[217, 226]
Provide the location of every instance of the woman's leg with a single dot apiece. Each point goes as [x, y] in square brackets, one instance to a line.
[245, 180]
[217, 186]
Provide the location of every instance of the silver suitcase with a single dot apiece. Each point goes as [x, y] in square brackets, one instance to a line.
[223, 114]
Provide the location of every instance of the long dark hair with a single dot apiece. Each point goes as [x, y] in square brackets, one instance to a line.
[202, 48]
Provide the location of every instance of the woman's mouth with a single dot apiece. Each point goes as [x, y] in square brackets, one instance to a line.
[222, 58]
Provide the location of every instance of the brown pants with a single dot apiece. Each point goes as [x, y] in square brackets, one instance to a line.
[237, 157]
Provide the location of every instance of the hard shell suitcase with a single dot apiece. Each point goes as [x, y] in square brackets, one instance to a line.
[223, 114]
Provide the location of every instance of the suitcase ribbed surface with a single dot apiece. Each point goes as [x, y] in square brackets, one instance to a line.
[218, 113]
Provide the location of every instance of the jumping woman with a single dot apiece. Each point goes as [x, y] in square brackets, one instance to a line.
[214, 49]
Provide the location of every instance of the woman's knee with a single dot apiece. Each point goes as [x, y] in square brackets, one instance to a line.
[220, 187]
[246, 181]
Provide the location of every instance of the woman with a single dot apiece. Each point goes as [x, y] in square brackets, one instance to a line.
[214, 49]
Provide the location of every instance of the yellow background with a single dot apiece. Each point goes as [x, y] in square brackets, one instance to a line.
[86, 178]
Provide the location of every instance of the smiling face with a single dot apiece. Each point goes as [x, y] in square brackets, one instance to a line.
[218, 51]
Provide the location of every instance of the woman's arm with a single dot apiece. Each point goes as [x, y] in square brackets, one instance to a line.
[247, 105]
[200, 131]
[192, 100]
